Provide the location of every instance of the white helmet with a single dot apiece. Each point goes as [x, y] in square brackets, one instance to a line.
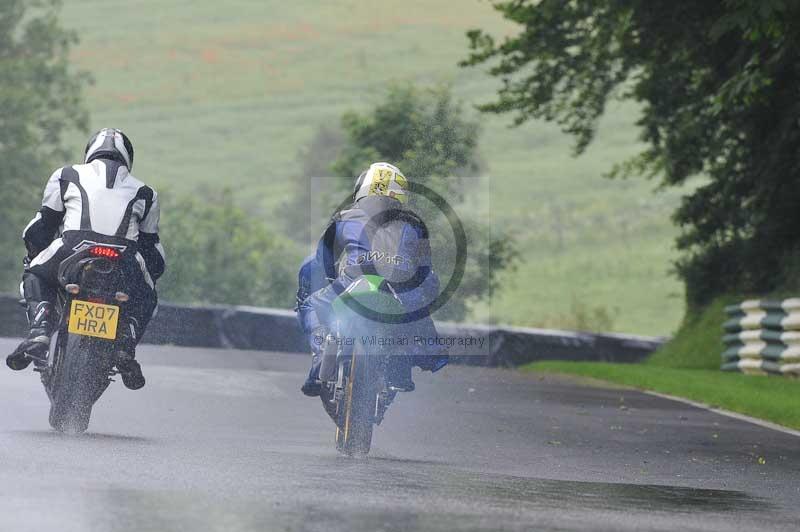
[382, 179]
[112, 144]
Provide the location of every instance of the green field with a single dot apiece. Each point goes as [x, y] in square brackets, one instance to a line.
[219, 97]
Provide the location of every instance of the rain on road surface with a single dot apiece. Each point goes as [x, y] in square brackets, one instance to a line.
[223, 441]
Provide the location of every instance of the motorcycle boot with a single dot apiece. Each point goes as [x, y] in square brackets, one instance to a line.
[129, 369]
[312, 386]
[398, 374]
[37, 344]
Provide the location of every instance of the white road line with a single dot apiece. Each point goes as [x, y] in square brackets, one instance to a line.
[727, 413]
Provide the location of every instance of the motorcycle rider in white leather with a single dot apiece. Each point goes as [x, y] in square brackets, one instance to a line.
[99, 201]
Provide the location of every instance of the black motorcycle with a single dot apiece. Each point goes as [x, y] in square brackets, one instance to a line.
[91, 312]
[355, 392]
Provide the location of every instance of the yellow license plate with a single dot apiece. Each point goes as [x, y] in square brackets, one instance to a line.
[93, 319]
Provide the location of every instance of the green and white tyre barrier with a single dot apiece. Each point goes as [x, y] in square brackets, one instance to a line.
[762, 367]
[760, 314]
[763, 337]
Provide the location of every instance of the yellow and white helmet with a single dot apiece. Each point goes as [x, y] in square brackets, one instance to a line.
[382, 179]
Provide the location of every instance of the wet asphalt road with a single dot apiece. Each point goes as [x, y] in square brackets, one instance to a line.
[223, 441]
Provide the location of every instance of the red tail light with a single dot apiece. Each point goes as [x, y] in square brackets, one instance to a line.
[105, 252]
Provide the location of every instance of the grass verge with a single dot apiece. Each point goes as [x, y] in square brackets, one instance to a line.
[775, 399]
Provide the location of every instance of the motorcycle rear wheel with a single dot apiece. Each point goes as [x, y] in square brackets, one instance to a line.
[76, 383]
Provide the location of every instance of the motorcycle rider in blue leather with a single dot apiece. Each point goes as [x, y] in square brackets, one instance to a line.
[351, 246]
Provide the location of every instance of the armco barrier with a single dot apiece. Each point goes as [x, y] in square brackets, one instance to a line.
[277, 330]
[763, 337]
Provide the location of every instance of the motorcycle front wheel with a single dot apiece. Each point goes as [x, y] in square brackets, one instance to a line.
[357, 407]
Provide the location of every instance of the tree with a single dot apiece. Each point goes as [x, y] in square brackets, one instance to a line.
[717, 81]
[425, 133]
[422, 130]
[216, 253]
[40, 100]
[296, 211]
